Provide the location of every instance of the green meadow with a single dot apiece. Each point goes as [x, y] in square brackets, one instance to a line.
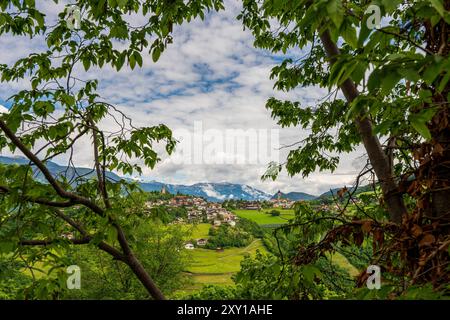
[263, 217]
[207, 266]
[226, 261]
[197, 231]
[214, 267]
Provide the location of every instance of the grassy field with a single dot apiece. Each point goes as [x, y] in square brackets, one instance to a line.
[198, 231]
[263, 217]
[212, 267]
[201, 279]
[210, 261]
[201, 230]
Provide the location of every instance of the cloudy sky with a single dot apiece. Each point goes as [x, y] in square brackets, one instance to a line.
[210, 76]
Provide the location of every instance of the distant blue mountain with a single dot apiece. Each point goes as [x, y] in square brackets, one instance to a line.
[330, 192]
[58, 170]
[295, 196]
[211, 191]
[13, 160]
[333, 192]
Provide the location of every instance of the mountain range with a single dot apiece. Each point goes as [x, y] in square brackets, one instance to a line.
[295, 196]
[211, 191]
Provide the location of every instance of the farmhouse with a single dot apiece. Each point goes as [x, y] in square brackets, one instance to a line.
[232, 223]
[202, 242]
[178, 220]
[67, 235]
[252, 205]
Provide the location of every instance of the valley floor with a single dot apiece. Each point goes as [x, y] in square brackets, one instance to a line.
[263, 217]
[212, 267]
[208, 266]
[217, 267]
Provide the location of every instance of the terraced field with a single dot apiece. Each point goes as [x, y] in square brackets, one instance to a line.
[226, 261]
[213, 267]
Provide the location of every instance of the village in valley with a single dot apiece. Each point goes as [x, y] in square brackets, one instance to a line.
[219, 235]
[199, 210]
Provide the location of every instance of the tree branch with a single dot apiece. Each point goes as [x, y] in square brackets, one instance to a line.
[377, 157]
[49, 242]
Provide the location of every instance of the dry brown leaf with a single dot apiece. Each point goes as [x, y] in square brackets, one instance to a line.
[412, 187]
[366, 226]
[437, 149]
[416, 231]
[341, 192]
[427, 240]
[378, 237]
[422, 260]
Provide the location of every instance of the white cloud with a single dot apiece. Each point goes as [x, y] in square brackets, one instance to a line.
[211, 192]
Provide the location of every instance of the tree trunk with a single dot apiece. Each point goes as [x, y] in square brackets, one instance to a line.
[377, 157]
[437, 38]
[438, 168]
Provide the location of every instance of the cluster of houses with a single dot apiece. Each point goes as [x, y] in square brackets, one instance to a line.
[188, 202]
[277, 202]
[251, 205]
[198, 209]
[328, 208]
[282, 203]
[337, 208]
[200, 243]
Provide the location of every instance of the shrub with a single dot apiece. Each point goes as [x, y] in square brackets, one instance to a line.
[274, 213]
